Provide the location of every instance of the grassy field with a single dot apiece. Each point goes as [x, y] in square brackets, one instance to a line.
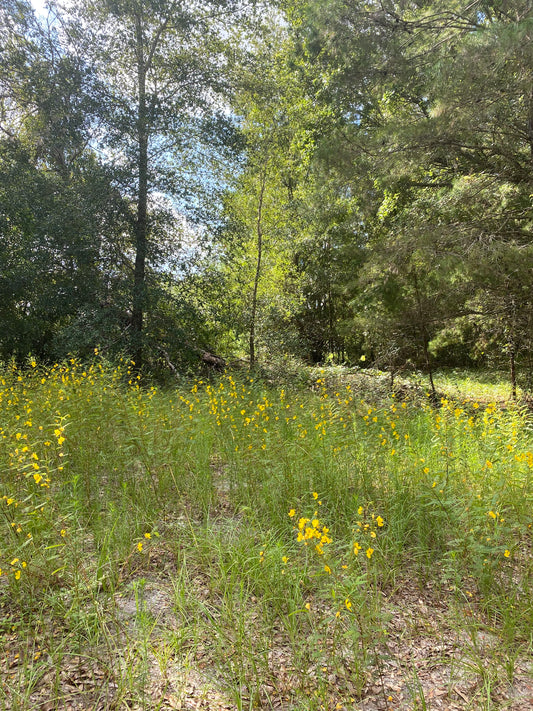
[230, 544]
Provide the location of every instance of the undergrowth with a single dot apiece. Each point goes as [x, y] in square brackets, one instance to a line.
[278, 520]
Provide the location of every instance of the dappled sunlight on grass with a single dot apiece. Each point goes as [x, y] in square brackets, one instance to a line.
[475, 385]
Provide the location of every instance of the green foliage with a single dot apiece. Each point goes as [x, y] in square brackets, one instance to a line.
[427, 134]
[353, 181]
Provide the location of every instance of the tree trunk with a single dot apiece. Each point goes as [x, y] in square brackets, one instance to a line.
[425, 338]
[512, 338]
[434, 398]
[259, 232]
[530, 126]
[141, 224]
[512, 365]
[331, 320]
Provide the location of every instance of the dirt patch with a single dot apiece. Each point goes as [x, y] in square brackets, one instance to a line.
[433, 656]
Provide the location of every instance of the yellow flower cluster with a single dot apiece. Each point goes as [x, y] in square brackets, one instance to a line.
[147, 537]
[252, 417]
[313, 530]
[15, 569]
[367, 527]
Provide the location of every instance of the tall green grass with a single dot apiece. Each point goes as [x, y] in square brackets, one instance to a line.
[275, 521]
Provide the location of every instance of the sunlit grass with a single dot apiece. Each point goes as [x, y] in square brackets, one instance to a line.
[483, 385]
[287, 511]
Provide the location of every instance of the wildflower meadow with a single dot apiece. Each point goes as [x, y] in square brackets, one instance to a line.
[229, 543]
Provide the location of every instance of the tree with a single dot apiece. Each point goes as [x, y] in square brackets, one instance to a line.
[264, 227]
[432, 104]
[61, 220]
[163, 63]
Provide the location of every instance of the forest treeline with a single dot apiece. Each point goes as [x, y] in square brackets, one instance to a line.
[337, 180]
